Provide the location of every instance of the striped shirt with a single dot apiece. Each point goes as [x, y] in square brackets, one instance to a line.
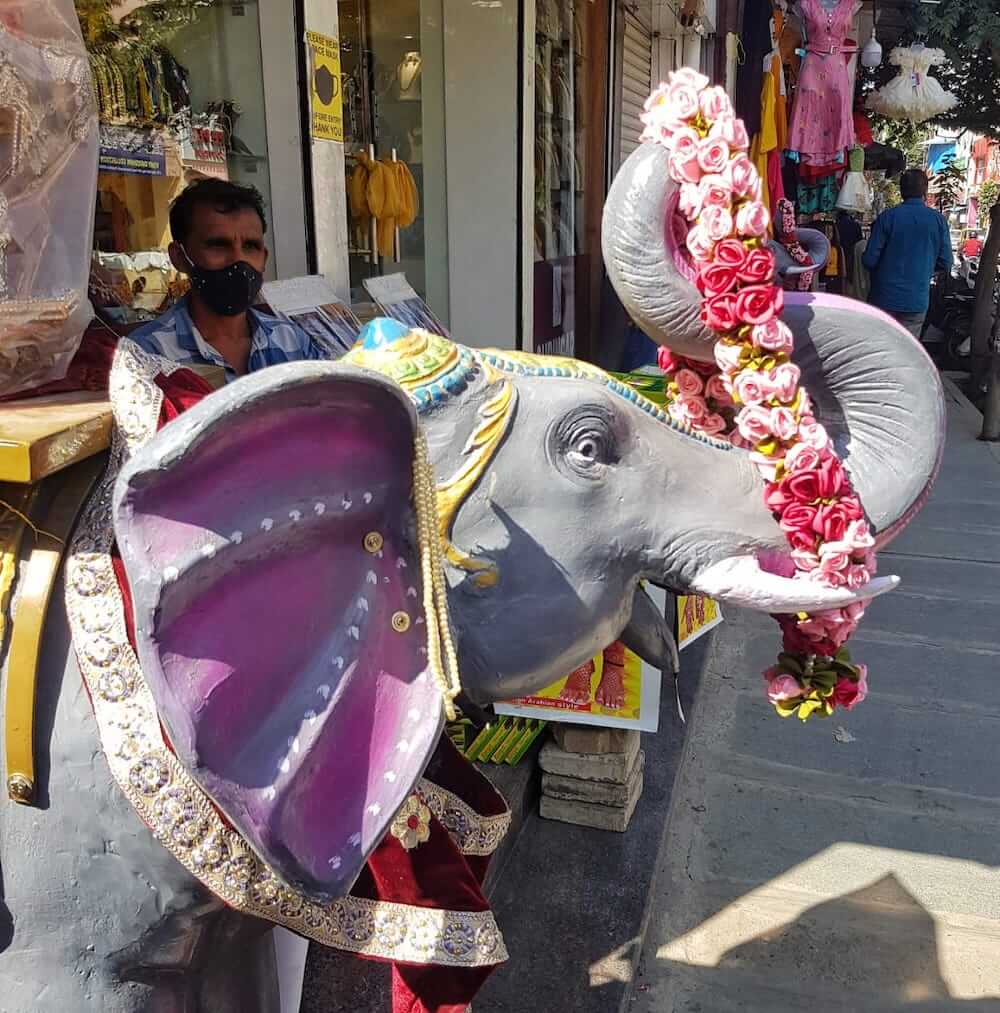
[175, 336]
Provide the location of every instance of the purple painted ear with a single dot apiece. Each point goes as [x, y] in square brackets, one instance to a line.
[269, 539]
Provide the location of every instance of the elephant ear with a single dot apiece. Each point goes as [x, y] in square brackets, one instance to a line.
[269, 539]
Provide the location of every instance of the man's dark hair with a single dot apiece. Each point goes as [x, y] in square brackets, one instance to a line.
[913, 183]
[218, 194]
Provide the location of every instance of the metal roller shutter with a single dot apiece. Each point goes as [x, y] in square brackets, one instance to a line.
[637, 74]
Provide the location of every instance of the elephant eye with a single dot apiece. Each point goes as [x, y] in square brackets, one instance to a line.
[586, 441]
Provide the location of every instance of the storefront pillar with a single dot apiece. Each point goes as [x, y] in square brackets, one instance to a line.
[328, 182]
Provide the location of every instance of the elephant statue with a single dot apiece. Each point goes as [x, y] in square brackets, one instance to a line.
[274, 597]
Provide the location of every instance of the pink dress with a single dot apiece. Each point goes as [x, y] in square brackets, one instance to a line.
[822, 125]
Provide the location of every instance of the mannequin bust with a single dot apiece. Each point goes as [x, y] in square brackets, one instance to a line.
[408, 76]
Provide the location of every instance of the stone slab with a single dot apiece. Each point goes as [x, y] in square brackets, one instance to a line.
[580, 739]
[612, 767]
[575, 789]
[589, 814]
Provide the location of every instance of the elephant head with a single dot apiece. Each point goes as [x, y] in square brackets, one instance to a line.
[816, 245]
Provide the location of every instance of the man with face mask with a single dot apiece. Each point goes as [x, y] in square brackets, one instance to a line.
[218, 241]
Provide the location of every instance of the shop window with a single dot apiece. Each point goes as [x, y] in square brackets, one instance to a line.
[570, 138]
[391, 85]
[180, 95]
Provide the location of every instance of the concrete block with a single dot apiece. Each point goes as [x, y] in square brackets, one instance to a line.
[574, 789]
[612, 767]
[587, 814]
[580, 739]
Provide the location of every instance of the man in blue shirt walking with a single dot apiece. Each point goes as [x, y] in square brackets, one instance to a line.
[217, 229]
[907, 245]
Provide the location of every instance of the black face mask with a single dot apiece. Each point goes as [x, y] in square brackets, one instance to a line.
[228, 291]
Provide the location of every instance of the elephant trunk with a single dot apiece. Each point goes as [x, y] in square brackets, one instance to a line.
[873, 386]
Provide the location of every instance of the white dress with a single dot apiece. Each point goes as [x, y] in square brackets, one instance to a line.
[913, 94]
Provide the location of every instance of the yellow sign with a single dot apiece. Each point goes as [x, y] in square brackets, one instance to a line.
[327, 101]
[695, 615]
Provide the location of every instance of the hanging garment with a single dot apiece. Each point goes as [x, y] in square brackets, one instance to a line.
[819, 197]
[913, 94]
[756, 41]
[822, 126]
[855, 193]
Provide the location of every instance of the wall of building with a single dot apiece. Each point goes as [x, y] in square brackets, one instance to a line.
[480, 63]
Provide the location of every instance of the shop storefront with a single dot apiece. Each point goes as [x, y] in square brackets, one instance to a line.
[182, 94]
[474, 147]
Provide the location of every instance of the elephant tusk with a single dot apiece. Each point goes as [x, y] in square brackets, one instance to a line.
[741, 581]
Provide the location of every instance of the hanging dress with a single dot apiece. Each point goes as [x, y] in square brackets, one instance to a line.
[855, 193]
[913, 94]
[822, 127]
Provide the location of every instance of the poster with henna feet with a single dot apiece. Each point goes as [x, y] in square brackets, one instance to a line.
[615, 689]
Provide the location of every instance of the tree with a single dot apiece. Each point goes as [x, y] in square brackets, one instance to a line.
[987, 195]
[969, 33]
[948, 185]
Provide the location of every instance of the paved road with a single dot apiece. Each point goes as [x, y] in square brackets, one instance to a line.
[852, 864]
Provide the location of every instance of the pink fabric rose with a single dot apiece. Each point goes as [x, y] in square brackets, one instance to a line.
[857, 576]
[732, 131]
[759, 267]
[714, 103]
[693, 409]
[715, 388]
[682, 99]
[719, 312]
[858, 536]
[685, 170]
[832, 520]
[783, 687]
[738, 440]
[848, 693]
[666, 360]
[688, 382]
[713, 154]
[731, 253]
[690, 200]
[805, 560]
[786, 379]
[713, 424]
[699, 244]
[684, 143]
[754, 423]
[715, 190]
[748, 387]
[717, 222]
[727, 357]
[813, 434]
[828, 574]
[802, 457]
[756, 304]
[742, 176]
[715, 279]
[797, 523]
[773, 336]
[752, 219]
[784, 425]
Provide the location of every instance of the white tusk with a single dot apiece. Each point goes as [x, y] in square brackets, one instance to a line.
[740, 581]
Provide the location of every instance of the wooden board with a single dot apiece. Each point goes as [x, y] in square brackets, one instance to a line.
[42, 435]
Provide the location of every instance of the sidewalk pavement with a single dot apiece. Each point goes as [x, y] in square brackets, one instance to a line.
[849, 864]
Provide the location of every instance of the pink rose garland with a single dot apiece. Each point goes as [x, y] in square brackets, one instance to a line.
[752, 393]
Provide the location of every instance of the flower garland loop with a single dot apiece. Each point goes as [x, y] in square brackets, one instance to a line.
[753, 394]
